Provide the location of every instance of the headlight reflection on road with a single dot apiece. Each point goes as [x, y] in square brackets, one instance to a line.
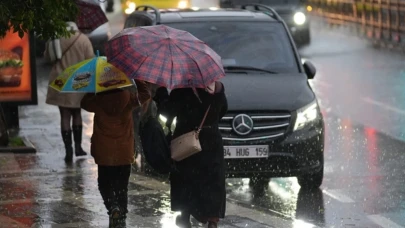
[302, 224]
[299, 18]
[168, 220]
[285, 188]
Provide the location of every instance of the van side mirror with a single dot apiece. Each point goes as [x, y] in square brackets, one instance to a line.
[309, 69]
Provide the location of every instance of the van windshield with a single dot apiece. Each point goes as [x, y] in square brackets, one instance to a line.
[262, 45]
[264, 2]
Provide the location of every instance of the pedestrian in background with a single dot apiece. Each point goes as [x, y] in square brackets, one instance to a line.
[140, 116]
[74, 49]
[135, 19]
[112, 144]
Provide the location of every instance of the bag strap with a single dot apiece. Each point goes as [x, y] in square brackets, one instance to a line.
[203, 120]
[206, 112]
[67, 49]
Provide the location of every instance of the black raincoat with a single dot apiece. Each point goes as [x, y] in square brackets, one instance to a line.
[198, 183]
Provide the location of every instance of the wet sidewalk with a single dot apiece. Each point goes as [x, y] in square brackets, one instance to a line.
[40, 190]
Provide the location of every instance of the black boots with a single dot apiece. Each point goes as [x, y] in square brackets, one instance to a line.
[117, 219]
[116, 213]
[77, 135]
[117, 199]
[67, 140]
[212, 225]
[113, 187]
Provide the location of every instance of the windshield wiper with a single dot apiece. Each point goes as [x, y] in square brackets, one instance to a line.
[247, 68]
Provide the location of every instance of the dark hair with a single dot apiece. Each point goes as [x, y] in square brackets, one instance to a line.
[139, 18]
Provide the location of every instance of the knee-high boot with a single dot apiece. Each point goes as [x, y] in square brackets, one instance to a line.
[107, 194]
[119, 212]
[67, 140]
[77, 135]
[121, 193]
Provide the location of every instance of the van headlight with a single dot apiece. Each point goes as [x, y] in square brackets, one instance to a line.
[182, 4]
[163, 120]
[306, 115]
[299, 18]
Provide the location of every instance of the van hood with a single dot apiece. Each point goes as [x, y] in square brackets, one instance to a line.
[284, 9]
[267, 92]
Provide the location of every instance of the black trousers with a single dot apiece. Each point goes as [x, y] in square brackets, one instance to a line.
[113, 186]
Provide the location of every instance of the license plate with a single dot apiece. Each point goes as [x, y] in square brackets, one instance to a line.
[260, 151]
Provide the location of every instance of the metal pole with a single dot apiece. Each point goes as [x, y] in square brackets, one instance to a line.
[11, 116]
[4, 137]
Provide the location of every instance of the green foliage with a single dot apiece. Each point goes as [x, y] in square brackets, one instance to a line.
[16, 141]
[45, 17]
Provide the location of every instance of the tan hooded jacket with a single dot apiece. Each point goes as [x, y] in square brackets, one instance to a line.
[112, 142]
[81, 50]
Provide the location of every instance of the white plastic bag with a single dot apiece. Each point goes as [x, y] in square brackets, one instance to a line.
[54, 50]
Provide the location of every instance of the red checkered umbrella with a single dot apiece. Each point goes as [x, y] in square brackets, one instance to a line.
[90, 16]
[165, 56]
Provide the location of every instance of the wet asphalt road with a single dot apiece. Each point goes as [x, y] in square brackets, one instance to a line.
[360, 90]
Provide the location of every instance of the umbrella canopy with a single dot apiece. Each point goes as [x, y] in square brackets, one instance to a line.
[90, 17]
[165, 56]
[91, 76]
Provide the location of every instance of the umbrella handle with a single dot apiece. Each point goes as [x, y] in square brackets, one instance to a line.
[98, 53]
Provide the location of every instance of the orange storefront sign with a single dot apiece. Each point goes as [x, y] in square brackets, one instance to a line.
[17, 77]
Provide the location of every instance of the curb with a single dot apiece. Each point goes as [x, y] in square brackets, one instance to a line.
[29, 148]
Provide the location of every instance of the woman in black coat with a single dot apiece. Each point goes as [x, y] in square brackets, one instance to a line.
[198, 183]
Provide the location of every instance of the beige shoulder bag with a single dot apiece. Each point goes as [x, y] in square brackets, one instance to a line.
[187, 144]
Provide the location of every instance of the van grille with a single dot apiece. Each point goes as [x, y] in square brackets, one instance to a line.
[266, 125]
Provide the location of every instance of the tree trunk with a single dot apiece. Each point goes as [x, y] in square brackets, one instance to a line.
[4, 140]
